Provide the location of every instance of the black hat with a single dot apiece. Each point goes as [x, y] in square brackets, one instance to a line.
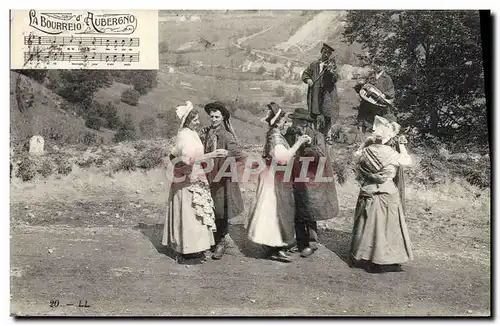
[219, 107]
[275, 112]
[301, 114]
[326, 46]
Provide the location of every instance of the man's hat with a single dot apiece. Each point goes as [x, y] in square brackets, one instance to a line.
[326, 46]
[219, 107]
[274, 113]
[301, 114]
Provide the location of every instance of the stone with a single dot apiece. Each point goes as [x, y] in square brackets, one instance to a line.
[36, 145]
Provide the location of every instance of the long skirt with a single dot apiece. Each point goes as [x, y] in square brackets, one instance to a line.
[380, 232]
[271, 221]
[184, 230]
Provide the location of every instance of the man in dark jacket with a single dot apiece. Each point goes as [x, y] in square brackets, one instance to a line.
[369, 107]
[322, 97]
[315, 197]
[225, 191]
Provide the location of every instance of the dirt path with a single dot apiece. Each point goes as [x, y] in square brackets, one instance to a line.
[119, 267]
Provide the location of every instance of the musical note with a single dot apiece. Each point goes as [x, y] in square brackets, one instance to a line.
[76, 57]
[50, 40]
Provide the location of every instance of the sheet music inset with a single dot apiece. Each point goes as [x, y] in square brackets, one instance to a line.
[84, 39]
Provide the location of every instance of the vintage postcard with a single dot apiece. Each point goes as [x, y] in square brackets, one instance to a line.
[250, 163]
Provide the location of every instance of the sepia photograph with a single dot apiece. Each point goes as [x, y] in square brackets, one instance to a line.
[272, 163]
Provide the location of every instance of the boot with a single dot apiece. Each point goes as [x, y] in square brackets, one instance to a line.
[220, 249]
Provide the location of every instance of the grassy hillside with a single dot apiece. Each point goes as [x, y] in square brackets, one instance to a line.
[43, 115]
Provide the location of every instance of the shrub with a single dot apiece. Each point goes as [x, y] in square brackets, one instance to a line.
[79, 86]
[27, 169]
[63, 165]
[45, 168]
[131, 97]
[35, 74]
[151, 158]
[126, 131]
[147, 126]
[261, 70]
[110, 114]
[93, 121]
[127, 163]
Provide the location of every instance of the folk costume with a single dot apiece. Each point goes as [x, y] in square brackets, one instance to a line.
[189, 222]
[380, 233]
[271, 222]
[225, 191]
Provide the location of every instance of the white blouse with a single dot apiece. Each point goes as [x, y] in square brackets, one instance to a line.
[188, 146]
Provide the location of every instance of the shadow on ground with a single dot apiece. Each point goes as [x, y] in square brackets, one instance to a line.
[337, 241]
[248, 248]
[155, 235]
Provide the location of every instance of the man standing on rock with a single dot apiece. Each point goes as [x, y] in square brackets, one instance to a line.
[314, 187]
[322, 98]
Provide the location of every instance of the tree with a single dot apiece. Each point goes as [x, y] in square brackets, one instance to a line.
[79, 86]
[435, 60]
[130, 96]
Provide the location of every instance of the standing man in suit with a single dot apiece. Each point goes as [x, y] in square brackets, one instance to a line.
[322, 98]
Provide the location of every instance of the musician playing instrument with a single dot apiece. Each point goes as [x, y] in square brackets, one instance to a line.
[377, 96]
[322, 98]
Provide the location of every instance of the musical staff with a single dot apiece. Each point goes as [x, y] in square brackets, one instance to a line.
[88, 41]
[79, 57]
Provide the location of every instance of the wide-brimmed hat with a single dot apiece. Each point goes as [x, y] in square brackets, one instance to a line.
[274, 113]
[301, 114]
[384, 129]
[219, 106]
[326, 46]
[182, 111]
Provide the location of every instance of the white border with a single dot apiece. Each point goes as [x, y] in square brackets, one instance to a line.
[127, 4]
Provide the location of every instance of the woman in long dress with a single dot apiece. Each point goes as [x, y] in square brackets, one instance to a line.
[271, 222]
[380, 239]
[189, 223]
